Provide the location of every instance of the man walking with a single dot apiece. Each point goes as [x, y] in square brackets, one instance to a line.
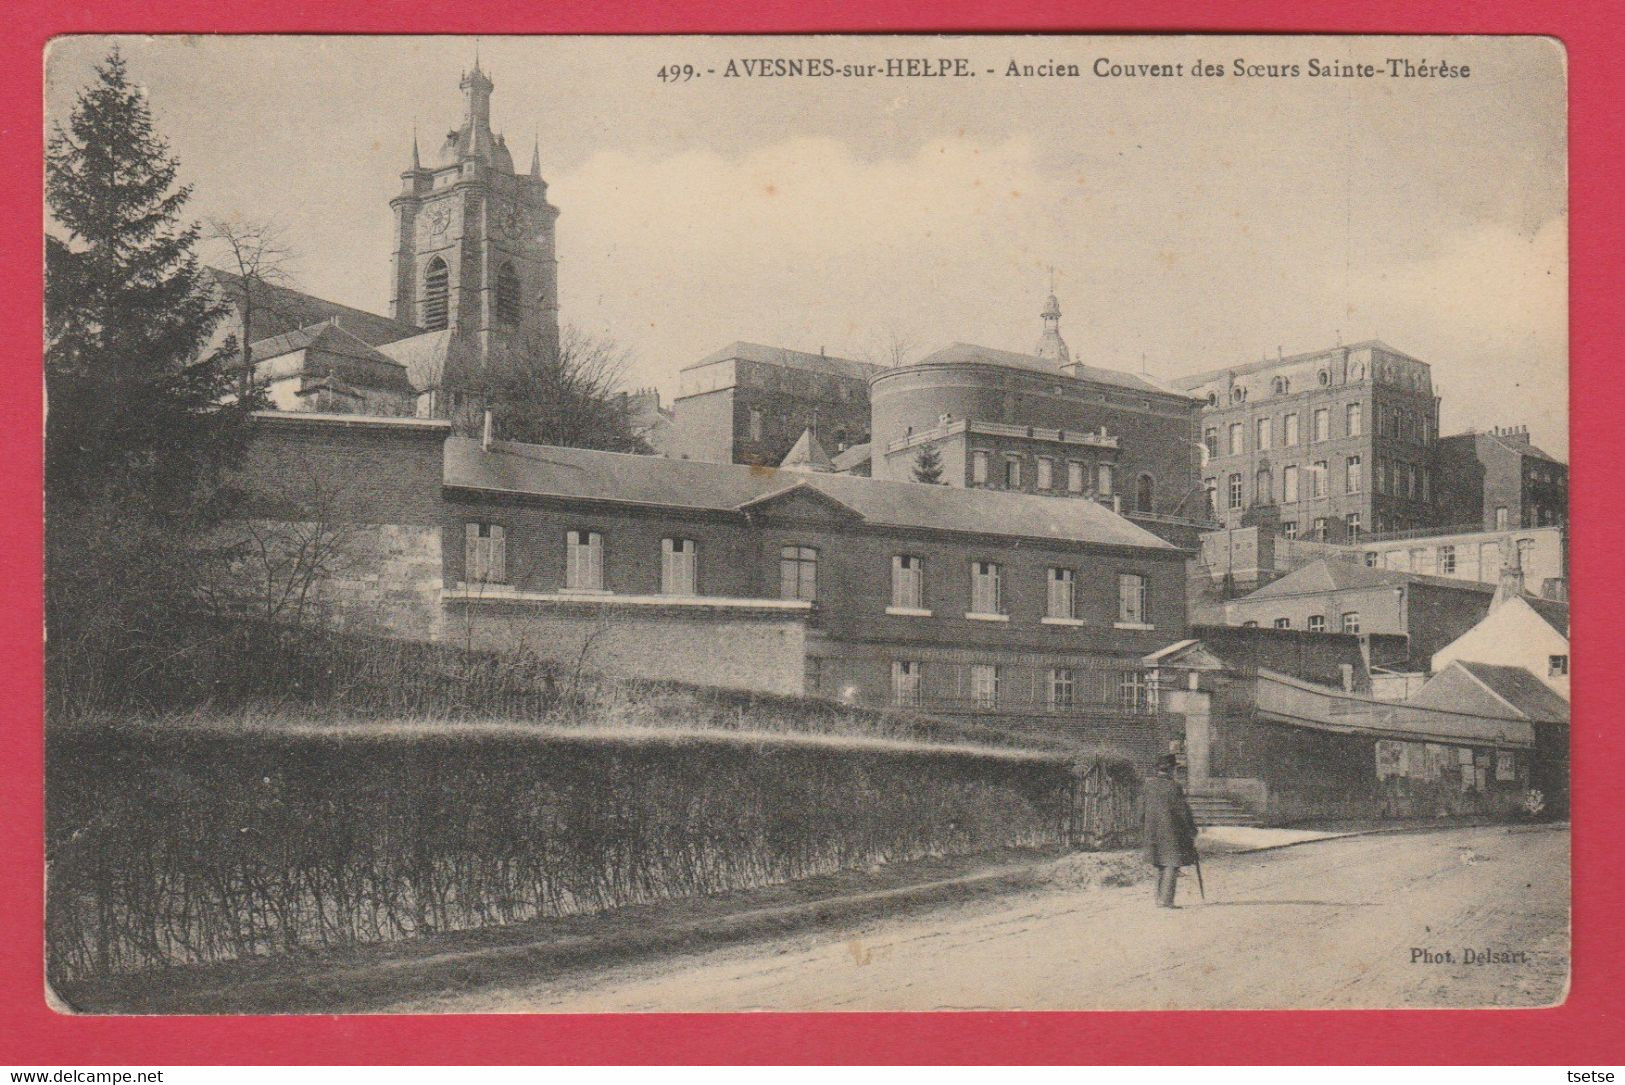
[1170, 829]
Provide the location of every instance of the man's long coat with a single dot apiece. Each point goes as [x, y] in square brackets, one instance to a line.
[1170, 827]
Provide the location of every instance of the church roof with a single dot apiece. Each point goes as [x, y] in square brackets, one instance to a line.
[653, 481]
[333, 355]
[279, 309]
[807, 455]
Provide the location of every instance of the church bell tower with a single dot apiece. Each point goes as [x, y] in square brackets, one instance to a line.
[474, 241]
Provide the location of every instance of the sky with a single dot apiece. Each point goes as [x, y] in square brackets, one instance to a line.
[1189, 222]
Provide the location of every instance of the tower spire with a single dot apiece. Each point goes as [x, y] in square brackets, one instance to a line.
[417, 163]
[1050, 344]
[536, 156]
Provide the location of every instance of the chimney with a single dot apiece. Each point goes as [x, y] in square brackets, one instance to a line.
[1511, 584]
[487, 431]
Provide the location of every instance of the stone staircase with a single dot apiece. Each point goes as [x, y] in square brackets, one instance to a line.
[1217, 809]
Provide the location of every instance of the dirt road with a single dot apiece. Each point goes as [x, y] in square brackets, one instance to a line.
[1339, 923]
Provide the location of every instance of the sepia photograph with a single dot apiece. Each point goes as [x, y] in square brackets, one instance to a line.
[682, 524]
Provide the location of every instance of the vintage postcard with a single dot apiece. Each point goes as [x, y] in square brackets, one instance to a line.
[806, 523]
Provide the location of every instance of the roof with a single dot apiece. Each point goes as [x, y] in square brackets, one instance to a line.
[1289, 700]
[1501, 691]
[807, 454]
[424, 357]
[827, 364]
[279, 309]
[1328, 575]
[971, 354]
[1554, 612]
[546, 470]
[334, 356]
[1290, 359]
[847, 459]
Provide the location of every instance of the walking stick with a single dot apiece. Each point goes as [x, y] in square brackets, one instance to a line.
[1199, 886]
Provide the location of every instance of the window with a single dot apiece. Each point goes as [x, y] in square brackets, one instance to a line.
[436, 291]
[1289, 529]
[1060, 687]
[1264, 487]
[1104, 489]
[1317, 623]
[1353, 420]
[1283, 623]
[907, 582]
[507, 295]
[1317, 479]
[1525, 551]
[1323, 424]
[1289, 435]
[1557, 666]
[984, 684]
[1325, 378]
[798, 573]
[1371, 559]
[1351, 527]
[1410, 481]
[1506, 766]
[1074, 476]
[1062, 593]
[1281, 386]
[1133, 691]
[485, 557]
[755, 424]
[1289, 484]
[1489, 561]
[1447, 560]
[1046, 473]
[1265, 432]
[677, 566]
[1500, 517]
[1237, 394]
[1421, 560]
[905, 683]
[1355, 475]
[1144, 493]
[584, 561]
[1235, 438]
[1211, 487]
[984, 588]
[1351, 621]
[1012, 473]
[1235, 490]
[978, 467]
[1320, 529]
[1249, 625]
[1210, 439]
[1132, 599]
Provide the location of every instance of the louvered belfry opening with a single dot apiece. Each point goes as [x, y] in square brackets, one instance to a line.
[507, 296]
[436, 293]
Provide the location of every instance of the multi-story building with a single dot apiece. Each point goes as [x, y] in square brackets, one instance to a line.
[850, 588]
[1499, 480]
[749, 403]
[1329, 445]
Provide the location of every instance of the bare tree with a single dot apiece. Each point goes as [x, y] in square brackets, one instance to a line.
[256, 251]
[891, 348]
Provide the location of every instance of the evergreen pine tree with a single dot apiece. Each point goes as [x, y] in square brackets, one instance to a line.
[134, 437]
[928, 465]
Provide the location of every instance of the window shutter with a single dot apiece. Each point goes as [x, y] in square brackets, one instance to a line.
[471, 554]
[496, 567]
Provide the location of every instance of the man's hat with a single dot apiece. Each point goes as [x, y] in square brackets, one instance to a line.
[1167, 762]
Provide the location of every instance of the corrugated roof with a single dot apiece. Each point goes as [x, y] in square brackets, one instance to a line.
[972, 354]
[827, 364]
[1328, 575]
[547, 470]
[1290, 359]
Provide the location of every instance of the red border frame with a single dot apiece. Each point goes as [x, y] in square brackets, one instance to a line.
[1587, 1029]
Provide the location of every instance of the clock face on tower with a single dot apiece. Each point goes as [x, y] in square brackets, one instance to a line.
[436, 221]
[511, 221]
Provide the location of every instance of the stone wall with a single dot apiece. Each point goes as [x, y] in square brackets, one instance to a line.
[764, 653]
